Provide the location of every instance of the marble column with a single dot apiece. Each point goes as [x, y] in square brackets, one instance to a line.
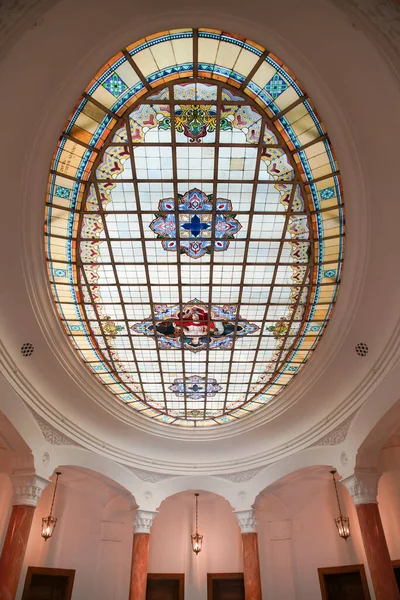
[251, 561]
[143, 520]
[27, 491]
[363, 488]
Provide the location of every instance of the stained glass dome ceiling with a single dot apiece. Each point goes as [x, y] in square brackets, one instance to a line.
[194, 227]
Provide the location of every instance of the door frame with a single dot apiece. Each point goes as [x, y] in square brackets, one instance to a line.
[212, 576]
[177, 576]
[70, 573]
[347, 569]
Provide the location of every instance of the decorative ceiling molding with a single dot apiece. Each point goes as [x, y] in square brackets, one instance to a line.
[149, 476]
[241, 476]
[380, 21]
[51, 435]
[16, 16]
[337, 435]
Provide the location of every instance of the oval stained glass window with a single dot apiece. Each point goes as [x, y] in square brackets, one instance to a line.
[194, 227]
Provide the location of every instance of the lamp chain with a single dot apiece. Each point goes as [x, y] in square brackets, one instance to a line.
[337, 493]
[197, 521]
[54, 494]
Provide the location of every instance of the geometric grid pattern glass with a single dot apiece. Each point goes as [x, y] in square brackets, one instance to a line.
[194, 227]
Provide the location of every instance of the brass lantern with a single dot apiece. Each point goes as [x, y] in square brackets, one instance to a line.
[49, 523]
[342, 523]
[197, 539]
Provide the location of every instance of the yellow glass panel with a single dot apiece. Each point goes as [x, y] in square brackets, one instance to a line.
[59, 221]
[205, 423]
[183, 50]
[303, 125]
[68, 311]
[308, 136]
[285, 378]
[106, 378]
[286, 98]
[227, 54]
[263, 74]
[326, 293]
[207, 50]
[145, 61]
[63, 292]
[127, 74]
[81, 342]
[87, 123]
[89, 354]
[93, 111]
[245, 62]
[163, 55]
[296, 113]
[58, 249]
[104, 97]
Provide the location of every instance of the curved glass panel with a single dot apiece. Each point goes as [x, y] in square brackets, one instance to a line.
[194, 227]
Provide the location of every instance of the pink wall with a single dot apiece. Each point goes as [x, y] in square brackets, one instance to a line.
[170, 546]
[296, 536]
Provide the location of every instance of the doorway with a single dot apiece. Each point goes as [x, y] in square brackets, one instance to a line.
[396, 567]
[225, 586]
[165, 586]
[344, 583]
[48, 584]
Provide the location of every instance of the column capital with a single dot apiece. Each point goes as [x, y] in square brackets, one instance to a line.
[143, 520]
[362, 486]
[247, 521]
[28, 488]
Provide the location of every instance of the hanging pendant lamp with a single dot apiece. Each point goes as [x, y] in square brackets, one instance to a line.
[342, 523]
[197, 539]
[49, 523]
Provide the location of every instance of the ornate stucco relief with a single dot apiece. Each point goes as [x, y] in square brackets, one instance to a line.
[51, 435]
[337, 435]
[241, 476]
[149, 476]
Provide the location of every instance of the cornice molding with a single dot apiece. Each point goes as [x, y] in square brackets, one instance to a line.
[355, 400]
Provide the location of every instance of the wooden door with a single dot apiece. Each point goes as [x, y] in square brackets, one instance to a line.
[165, 586]
[344, 583]
[396, 567]
[48, 584]
[225, 586]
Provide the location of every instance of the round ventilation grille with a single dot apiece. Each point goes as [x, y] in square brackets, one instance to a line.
[27, 349]
[362, 349]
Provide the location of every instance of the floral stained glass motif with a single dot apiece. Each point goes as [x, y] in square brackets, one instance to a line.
[199, 221]
[194, 327]
[195, 387]
[194, 230]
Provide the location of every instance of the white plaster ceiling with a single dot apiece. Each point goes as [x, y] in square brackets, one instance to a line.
[353, 88]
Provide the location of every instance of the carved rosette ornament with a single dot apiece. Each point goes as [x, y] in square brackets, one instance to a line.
[28, 489]
[363, 486]
[246, 520]
[143, 520]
